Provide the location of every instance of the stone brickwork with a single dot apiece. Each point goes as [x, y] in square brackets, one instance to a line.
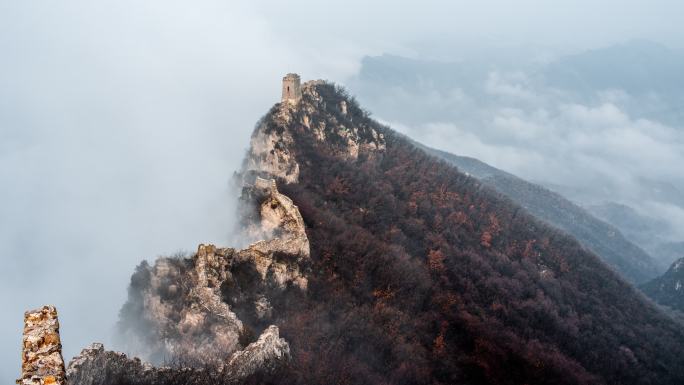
[292, 89]
[41, 358]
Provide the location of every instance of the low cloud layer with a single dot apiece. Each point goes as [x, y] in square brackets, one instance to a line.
[121, 122]
[120, 127]
[593, 148]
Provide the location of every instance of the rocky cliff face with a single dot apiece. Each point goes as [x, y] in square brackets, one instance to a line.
[205, 311]
[96, 366]
[268, 353]
[278, 224]
[326, 113]
[190, 304]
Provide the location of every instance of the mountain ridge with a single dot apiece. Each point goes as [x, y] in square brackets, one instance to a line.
[415, 273]
[413, 213]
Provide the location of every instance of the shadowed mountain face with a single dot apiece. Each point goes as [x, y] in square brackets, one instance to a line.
[668, 290]
[598, 236]
[422, 274]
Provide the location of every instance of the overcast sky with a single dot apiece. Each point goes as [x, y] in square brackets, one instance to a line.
[122, 121]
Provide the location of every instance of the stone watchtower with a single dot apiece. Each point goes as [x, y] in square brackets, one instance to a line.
[292, 90]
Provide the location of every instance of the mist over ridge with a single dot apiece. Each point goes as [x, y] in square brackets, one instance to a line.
[121, 123]
[604, 127]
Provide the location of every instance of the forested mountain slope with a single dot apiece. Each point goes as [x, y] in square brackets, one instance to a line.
[421, 274]
[635, 264]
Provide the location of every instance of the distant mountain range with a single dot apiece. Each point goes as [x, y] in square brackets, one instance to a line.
[638, 67]
[646, 79]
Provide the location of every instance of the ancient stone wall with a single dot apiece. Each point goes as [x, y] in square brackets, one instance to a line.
[41, 358]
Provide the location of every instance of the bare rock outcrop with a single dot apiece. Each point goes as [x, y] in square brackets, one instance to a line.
[192, 308]
[97, 366]
[175, 309]
[334, 120]
[41, 357]
[280, 227]
[267, 354]
[269, 154]
[195, 308]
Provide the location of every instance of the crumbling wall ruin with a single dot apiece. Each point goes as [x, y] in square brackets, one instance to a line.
[41, 357]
